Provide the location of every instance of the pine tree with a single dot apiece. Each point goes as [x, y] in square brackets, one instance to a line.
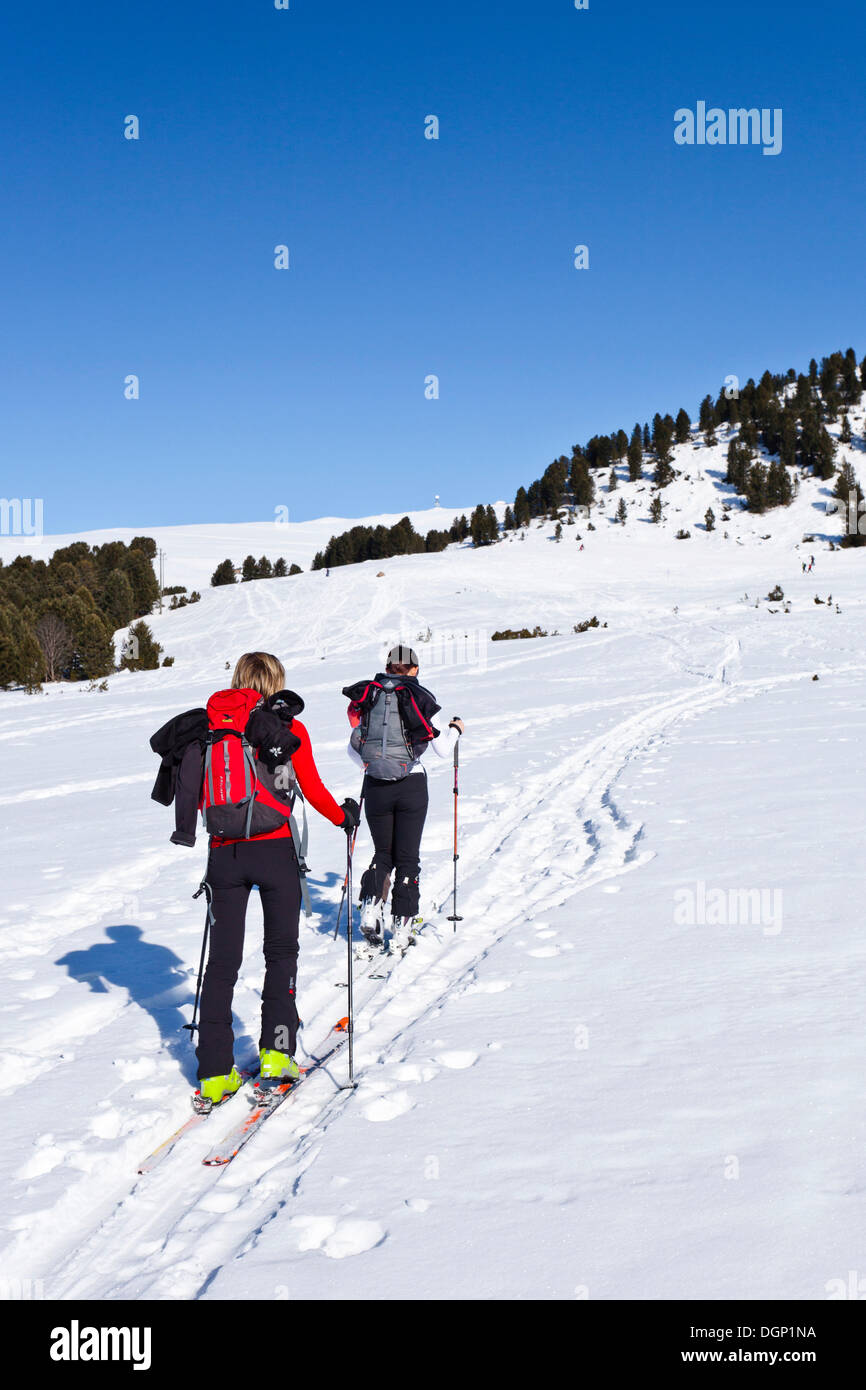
[845, 432]
[522, 515]
[738, 462]
[492, 526]
[635, 455]
[118, 600]
[656, 509]
[264, 568]
[779, 493]
[223, 574]
[846, 482]
[280, 568]
[757, 488]
[710, 519]
[144, 650]
[682, 427]
[295, 569]
[707, 420]
[248, 569]
[509, 524]
[143, 581]
[21, 659]
[478, 526]
[582, 483]
[664, 473]
[94, 656]
[611, 482]
[622, 511]
[788, 439]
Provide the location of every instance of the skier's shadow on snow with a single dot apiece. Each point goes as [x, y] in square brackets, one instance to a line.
[322, 902]
[154, 977]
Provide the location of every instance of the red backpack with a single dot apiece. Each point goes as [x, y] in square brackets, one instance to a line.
[240, 797]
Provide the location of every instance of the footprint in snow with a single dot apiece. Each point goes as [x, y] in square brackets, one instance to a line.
[388, 1107]
[39, 992]
[337, 1239]
[457, 1061]
[353, 1237]
[408, 1071]
[46, 1158]
[543, 952]
[136, 1069]
[417, 1204]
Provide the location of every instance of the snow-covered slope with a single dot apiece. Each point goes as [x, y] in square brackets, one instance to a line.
[192, 553]
[601, 1083]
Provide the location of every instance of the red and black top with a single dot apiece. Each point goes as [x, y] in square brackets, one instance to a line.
[275, 734]
[310, 783]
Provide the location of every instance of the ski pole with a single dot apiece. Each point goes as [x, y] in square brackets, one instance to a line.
[349, 940]
[204, 887]
[454, 917]
[354, 838]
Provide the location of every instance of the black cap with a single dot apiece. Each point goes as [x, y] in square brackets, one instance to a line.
[402, 656]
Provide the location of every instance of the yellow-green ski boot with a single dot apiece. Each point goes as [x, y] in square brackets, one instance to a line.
[276, 1068]
[213, 1090]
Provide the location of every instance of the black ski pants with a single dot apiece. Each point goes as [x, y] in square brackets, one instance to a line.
[396, 812]
[232, 871]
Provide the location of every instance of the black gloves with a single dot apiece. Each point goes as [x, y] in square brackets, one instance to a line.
[351, 815]
[285, 703]
[272, 736]
[456, 723]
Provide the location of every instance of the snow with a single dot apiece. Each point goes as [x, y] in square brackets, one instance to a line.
[579, 1093]
[192, 553]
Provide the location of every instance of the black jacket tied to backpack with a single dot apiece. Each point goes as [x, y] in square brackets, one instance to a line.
[416, 704]
[171, 742]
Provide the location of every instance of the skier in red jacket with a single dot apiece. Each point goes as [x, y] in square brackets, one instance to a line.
[264, 854]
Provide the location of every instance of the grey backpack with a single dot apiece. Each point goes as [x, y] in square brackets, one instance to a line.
[380, 738]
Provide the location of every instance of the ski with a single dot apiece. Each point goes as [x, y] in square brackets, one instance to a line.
[198, 1117]
[378, 962]
[267, 1101]
[394, 944]
[163, 1150]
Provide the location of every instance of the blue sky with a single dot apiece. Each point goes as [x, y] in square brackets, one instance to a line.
[262, 388]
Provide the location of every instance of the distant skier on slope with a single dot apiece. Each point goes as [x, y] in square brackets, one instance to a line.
[240, 762]
[391, 717]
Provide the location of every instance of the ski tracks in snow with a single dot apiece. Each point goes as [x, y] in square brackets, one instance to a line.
[528, 846]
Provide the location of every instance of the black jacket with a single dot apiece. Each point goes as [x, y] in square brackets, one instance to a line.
[171, 742]
[417, 706]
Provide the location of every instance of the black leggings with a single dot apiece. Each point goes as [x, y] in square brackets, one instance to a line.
[396, 812]
[232, 870]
